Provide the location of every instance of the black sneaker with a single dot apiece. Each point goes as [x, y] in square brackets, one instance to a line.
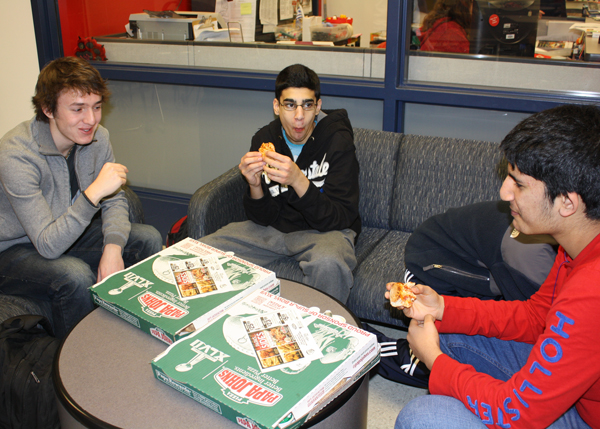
[398, 363]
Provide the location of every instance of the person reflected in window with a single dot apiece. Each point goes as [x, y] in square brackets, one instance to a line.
[445, 28]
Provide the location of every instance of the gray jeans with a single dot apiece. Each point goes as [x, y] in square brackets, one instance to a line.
[326, 258]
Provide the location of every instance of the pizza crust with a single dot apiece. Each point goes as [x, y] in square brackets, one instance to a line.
[401, 294]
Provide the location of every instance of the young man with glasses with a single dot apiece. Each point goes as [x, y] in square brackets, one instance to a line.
[302, 198]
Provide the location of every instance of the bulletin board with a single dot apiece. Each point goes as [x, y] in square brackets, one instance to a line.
[264, 14]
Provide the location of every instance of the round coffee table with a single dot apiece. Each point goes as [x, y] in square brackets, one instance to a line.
[103, 379]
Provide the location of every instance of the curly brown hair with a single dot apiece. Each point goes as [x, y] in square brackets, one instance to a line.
[458, 11]
[66, 74]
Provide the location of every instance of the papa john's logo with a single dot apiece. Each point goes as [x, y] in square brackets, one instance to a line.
[155, 306]
[242, 390]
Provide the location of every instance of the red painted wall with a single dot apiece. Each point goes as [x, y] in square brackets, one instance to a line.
[88, 18]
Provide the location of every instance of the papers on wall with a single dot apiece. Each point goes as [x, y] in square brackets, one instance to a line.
[286, 9]
[268, 12]
[239, 11]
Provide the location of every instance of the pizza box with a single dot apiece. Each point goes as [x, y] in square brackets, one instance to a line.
[178, 290]
[268, 362]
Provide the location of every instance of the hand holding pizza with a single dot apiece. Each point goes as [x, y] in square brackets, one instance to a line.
[426, 301]
[283, 170]
[251, 166]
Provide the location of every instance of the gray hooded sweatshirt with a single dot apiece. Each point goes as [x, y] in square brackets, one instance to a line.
[35, 196]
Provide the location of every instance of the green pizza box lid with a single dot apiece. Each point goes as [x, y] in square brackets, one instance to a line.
[176, 291]
[268, 362]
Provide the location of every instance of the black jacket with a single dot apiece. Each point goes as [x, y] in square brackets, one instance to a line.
[329, 161]
[458, 252]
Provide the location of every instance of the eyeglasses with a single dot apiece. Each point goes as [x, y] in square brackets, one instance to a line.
[290, 106]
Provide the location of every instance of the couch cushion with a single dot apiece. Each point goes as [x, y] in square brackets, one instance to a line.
[385, 263]
[367, 241]
[437, 173]
[377, 153]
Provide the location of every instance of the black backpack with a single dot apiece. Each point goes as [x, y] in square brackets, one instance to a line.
[27, 351]
[177, 232]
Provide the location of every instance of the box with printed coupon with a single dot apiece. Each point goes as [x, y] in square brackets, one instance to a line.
[180, 289]
[268, 362]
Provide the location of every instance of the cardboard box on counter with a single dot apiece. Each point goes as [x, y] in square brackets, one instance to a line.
[268, 362]
[180, 289]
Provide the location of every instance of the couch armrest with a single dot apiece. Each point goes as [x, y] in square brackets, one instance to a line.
[216, 204]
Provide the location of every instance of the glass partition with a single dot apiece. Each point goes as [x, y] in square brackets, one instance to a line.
[334, 37]
[548, 46]
[189, 135]
[490, 75]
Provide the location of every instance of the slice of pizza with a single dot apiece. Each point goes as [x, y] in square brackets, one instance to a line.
[263, 149]
[266, 147]
[401, 294]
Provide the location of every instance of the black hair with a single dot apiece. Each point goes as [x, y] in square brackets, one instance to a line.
[297, 76]
[561, 148]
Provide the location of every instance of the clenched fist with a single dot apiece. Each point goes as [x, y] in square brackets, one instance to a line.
[111, 178]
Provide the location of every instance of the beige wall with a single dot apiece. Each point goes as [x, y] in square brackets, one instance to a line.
[20, 68]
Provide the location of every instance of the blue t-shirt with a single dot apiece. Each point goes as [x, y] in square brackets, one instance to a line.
[297, 148]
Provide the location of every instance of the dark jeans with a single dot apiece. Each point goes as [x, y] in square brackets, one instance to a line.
[64, 281]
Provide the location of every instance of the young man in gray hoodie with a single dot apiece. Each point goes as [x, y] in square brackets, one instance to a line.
[64, 219]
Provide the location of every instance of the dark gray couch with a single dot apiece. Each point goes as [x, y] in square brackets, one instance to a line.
[404, 179]
[11, 306]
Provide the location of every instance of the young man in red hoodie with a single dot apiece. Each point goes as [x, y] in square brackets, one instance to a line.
[534, 363]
